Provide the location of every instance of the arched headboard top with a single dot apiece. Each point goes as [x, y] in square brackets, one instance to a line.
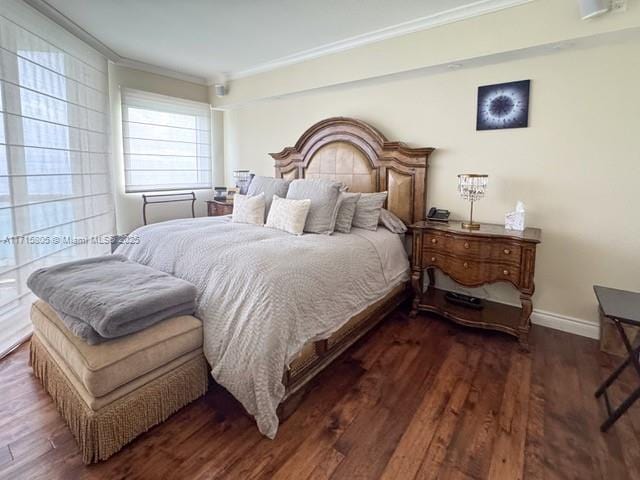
[356, 154]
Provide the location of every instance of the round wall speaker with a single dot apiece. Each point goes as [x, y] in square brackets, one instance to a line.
[593, 8]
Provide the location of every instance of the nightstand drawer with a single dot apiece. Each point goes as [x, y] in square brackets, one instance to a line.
[466, 272]
[504, 273]
[506, 253]
[471, 272]
[477, 249]
[436, 241]
[469, 247]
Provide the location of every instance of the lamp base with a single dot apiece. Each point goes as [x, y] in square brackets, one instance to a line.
[471, 226]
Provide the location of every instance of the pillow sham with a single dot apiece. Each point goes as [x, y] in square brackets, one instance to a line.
[391, 222]
[368, 210]
[288, 215]
[248, 209]
[270, 187]
[324, 195]
[346, 212]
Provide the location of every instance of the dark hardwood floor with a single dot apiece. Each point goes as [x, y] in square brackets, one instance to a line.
[419, 398]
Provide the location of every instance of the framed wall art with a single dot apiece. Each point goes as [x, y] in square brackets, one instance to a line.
[503, 105]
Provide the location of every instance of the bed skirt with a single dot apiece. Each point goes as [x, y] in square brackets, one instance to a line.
[102, 433]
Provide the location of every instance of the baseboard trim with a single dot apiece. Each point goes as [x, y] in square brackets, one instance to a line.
[564, 323]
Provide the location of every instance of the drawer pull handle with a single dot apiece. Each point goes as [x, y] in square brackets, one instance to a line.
[505, 272]
[507, 251]
[466, 244]
[434, 240]
[433, 259]
[465, 265]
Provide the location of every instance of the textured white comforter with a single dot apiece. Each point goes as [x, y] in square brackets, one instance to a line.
[264, 293]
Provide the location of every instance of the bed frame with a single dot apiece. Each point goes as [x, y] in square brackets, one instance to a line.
[356, 154]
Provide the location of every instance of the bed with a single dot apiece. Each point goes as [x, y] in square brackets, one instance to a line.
[276, 308]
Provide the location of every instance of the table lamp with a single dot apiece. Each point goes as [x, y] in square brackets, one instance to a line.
[472, 187]
[242, 178]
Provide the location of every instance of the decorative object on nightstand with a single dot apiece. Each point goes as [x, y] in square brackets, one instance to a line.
[515, 220]
[220, 194]
[472, 187]
[242, 179]
[623, 309]
[215, 208]
[473, 258]
[438, 215]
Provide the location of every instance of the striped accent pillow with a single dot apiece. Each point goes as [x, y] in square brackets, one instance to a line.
[346, 212]
[368, 210]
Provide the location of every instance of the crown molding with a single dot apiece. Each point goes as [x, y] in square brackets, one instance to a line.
[72, 27]
[480, 7]
[165, 72]
[53, 14]
[457, 14]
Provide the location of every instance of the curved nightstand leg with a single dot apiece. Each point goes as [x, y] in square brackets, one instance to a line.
[525, 320]
[432, 276]
[416, 284]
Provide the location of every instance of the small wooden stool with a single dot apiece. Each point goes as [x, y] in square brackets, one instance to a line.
[620, 307]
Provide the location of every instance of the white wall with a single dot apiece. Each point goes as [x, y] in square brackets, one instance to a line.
[576, 167]
[129, 205]
[533, 27]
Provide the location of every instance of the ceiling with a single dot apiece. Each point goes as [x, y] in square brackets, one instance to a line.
[208, 39]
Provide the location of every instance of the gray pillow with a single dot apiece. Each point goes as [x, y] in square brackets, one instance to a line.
[368, 210]
[346, 212]
[324, 196]
[270, 187]
[391, 222]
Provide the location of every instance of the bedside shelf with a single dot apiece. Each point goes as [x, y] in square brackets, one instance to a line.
[494, 315]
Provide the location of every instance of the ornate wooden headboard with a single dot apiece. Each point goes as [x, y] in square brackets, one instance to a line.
[358, 155]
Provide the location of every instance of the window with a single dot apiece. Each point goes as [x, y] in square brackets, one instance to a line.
[167, 142]
[55, 195]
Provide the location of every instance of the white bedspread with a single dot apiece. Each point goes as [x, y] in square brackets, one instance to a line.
[264, 293]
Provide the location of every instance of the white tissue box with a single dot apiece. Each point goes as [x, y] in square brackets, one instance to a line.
[514, 221]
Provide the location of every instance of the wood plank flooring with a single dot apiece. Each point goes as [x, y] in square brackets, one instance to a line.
[416, 398]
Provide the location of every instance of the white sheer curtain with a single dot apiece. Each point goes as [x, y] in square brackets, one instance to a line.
[55, 197]
[167, 142]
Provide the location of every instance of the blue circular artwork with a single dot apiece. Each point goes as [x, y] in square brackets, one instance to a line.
[504, 105]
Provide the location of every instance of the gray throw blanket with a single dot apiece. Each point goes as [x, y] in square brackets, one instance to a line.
[106, 297]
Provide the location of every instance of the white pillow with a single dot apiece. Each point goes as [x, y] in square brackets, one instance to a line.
[248, 209]
[288, 215]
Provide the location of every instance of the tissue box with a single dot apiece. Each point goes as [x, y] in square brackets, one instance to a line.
[514, 221]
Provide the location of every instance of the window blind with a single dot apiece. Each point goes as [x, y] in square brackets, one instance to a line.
[55, 196]
[167, 142]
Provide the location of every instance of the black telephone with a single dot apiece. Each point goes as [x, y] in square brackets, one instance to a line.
[438, 215]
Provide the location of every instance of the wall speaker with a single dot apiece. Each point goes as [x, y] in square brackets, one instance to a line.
[220, 89]
[593, 8]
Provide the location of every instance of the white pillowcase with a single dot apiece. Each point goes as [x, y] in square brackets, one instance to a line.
[248, 209]
[288, 215]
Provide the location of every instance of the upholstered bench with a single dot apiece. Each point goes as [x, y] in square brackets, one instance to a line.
[112, 392]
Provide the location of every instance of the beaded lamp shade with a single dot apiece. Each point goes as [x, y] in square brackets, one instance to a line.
[472, 187]
[242, 178]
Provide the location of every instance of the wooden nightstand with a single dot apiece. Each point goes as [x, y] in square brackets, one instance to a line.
[215, 208]
[473, 258]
